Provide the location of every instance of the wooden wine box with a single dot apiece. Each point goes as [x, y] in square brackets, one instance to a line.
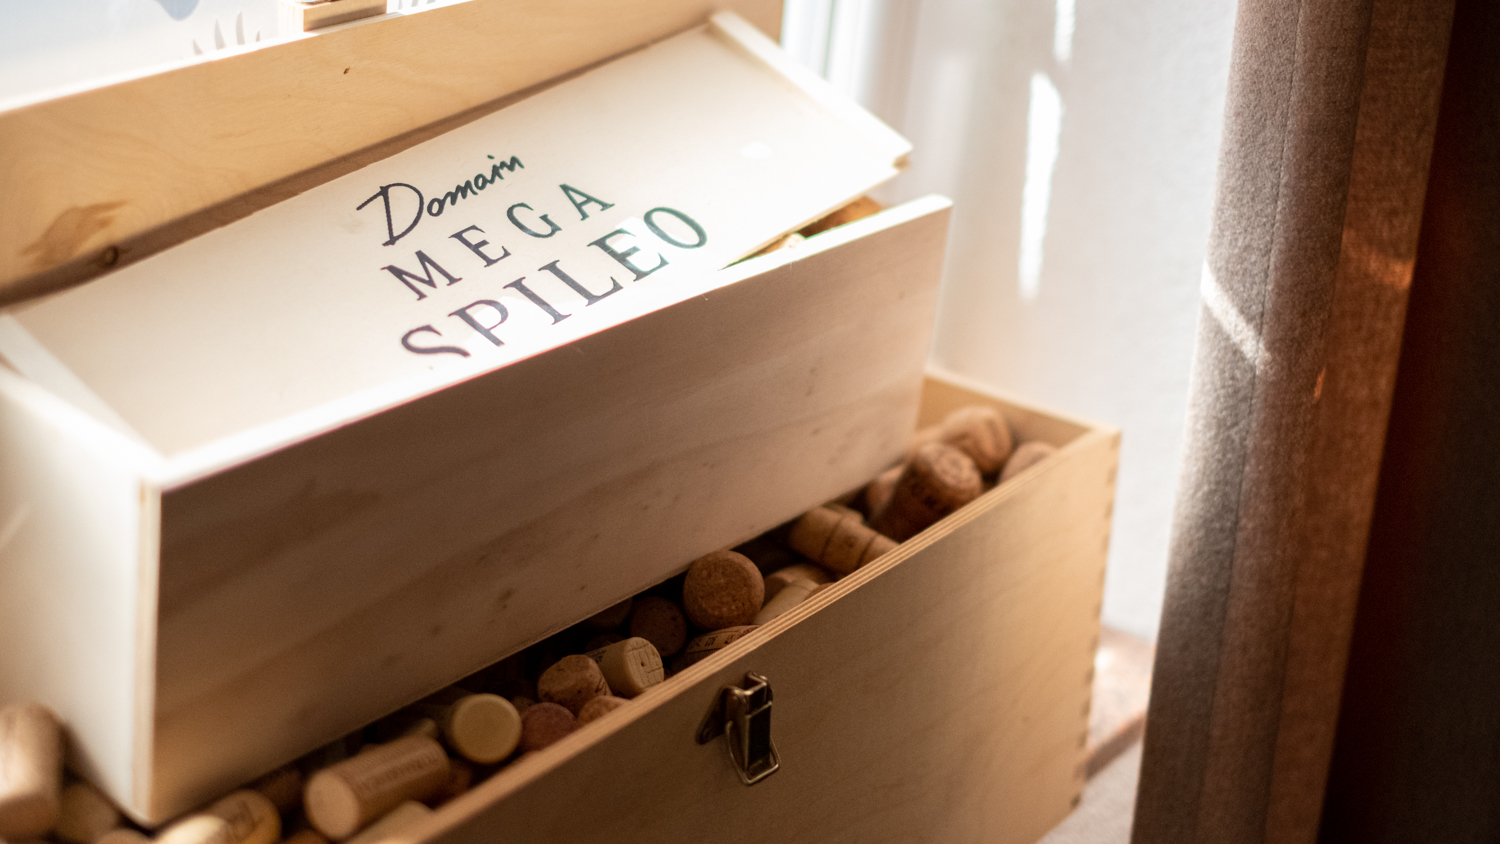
[940, 693]
[253, 500]
[204, 611]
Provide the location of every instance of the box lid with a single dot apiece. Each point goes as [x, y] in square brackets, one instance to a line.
[593, 202]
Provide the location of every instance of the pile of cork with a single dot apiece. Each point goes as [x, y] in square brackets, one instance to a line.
[371, 785]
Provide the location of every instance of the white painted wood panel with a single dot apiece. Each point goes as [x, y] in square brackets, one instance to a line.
[110, 167]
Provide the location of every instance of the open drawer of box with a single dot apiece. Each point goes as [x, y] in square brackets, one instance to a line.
[939, 693]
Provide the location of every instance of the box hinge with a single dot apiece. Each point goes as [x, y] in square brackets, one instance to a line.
[743, 715]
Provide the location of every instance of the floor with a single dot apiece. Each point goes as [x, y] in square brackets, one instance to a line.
[1117, 719]
[1104, 814]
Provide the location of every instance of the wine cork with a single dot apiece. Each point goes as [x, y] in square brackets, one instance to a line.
[482, 728]
[660, 622]
[572, 681]
[878, 493]
[516, 688]
[938, 480]
[609, 618]
[301, 836]
[244, 817]
[630, 667]
[342, 799]
[722, 589]
[1026, 455]
[331, 753]
[603, 640]
[400, 725]
[790, 596]
[856, 210]
[768, 552]
[30, 770]
[599, 707]
[393, 823]
[778, 579]
[838, 539]
[84, 814]
[978, 431]
[283, 787]
[544, 724]
[545, 654]
[126, 835]
[460, 779]
[424, 727]
[845, 510]
[702, 647]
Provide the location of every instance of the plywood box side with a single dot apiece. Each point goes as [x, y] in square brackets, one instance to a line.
[164, 146]
[947, 391]
[77, 526]
[939, 694]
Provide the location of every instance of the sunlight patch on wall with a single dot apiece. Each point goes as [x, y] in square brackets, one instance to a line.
[1043, 132]
[1062, 32]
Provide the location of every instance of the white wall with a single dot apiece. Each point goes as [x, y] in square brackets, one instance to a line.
[1106, 323]
[54, 46]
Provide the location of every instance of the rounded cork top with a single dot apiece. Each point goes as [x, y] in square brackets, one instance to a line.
[571, 682]
[938, 480]
[722, 589]
[980, 432]
[947, 474]
[631, 666]
[483, 728]
[332, 806]
[600, 707]
[543, 724]
[660, 622]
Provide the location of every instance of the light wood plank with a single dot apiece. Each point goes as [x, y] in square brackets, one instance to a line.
[76, 523]
[93, 173]
[939, 694]
[946, 392]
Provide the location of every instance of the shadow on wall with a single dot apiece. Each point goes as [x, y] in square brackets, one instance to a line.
[178, 9]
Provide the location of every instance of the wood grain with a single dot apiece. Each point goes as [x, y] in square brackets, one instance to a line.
[88, 173]
[938, 694]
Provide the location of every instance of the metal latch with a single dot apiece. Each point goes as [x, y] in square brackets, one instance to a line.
[743, 715]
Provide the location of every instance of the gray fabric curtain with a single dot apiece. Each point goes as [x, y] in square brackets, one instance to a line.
[1329, 122]
[1418, 750]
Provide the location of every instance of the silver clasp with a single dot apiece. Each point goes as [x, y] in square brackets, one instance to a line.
[743, 715]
